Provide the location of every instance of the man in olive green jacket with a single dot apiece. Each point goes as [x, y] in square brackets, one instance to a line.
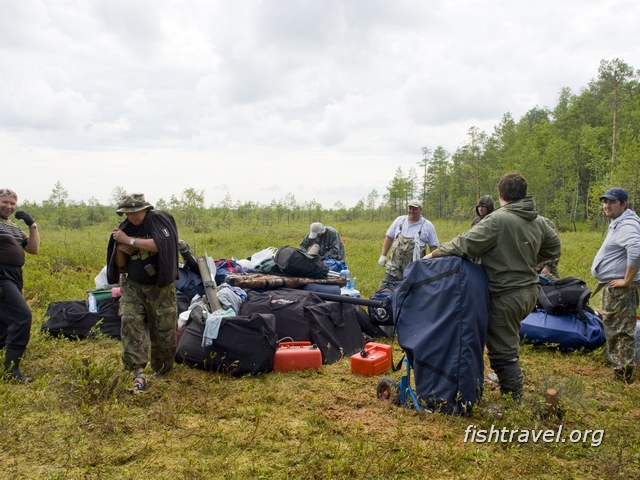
[509, 242]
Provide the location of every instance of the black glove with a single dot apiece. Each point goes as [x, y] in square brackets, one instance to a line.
[25, 217]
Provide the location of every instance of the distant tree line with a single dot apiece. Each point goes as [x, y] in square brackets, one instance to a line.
[569, 155]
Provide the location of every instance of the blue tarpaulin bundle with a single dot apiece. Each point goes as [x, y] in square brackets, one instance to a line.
[567, 332]
[442, 311]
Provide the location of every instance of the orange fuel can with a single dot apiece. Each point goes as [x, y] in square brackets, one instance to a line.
[374, 359]
[292, 356]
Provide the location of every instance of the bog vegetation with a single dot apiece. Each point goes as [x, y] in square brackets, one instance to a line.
[76, 420]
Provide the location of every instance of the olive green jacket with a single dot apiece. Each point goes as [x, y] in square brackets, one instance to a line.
[508, 243]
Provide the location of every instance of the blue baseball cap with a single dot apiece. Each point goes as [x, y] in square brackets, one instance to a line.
[616, 194]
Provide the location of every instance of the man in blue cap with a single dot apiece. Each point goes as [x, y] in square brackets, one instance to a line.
[617, 269]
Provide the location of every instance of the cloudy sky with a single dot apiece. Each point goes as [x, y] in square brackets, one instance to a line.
[323, 99]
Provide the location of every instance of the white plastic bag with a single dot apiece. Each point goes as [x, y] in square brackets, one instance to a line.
[101, 279]
[258, 257]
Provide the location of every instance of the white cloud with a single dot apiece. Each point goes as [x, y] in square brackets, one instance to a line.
[323, 100]
[31, 103]
[111, 128]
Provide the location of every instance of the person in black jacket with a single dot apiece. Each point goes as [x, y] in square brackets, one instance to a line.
[145, 248]
[15, 314]
[483, 208]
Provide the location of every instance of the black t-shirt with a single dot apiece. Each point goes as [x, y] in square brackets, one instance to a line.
[142, 266]
[11, 243]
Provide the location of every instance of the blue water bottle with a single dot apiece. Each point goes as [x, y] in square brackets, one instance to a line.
[93, 303]
[347, 274]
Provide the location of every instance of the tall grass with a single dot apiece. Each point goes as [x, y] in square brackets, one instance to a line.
[77, 419]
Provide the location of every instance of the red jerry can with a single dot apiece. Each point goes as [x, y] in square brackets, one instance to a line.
[292, 356]
[374, 359]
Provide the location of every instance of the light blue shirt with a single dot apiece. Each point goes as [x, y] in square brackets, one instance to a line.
[621, 249]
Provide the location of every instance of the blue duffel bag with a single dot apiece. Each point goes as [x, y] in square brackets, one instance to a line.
[567, 332]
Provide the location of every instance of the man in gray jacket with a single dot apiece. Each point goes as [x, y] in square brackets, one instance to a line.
[616, 266]
[327, 239]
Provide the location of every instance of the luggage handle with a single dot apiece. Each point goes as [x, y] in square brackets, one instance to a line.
[294, 344]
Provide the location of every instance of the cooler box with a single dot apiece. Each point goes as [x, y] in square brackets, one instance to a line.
[374, 359]
[292, 356]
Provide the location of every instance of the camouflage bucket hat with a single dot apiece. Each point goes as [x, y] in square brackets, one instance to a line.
[132, 203]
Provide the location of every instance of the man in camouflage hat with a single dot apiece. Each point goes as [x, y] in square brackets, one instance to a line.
[145, 248]
[15, 314]
[616, 266]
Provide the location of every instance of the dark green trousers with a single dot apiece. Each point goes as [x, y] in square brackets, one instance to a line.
[503, 336]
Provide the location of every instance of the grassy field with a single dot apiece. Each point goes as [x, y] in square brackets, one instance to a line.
[76, 421]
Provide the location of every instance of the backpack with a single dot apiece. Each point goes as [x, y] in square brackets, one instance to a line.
[383, 315]
[189, 283]
[293, 261]
[568, 295]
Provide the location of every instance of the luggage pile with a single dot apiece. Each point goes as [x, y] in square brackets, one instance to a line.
[234, 318]
[268, 312]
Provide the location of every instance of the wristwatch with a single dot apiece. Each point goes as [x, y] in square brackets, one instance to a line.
[132, 241]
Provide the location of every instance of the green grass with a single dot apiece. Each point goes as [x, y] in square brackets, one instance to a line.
[77, 421]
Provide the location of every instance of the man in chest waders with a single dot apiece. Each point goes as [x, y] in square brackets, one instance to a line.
[405, 241]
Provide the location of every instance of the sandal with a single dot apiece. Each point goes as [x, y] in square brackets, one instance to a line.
[139, 384]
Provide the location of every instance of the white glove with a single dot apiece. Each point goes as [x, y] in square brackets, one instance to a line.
[382, 261]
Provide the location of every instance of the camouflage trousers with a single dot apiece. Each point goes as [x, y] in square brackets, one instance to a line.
[149, 316]
[619, 307]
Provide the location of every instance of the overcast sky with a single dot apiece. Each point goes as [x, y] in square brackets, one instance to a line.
[323, 99]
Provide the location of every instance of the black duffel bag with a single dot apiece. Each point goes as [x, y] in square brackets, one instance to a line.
[71, 319]
[287, 305]
[245, 344]
[335, 329]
